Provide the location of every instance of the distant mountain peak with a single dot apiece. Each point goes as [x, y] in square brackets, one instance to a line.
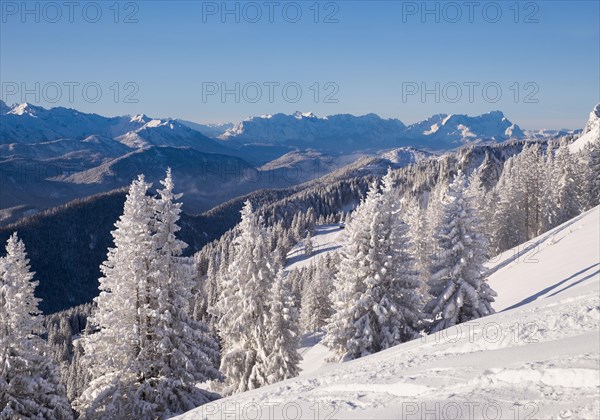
[594, 120]
[140, 118]
[301, 115]
[24, 108]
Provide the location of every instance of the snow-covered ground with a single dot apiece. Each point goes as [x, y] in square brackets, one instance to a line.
[591, 132]
[537, 357]
[586, 138]
[327, 238]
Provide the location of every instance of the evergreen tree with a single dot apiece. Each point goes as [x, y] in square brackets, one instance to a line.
[111, 352]
[77, 375]
[457, 286]
[295, 281]
[419, 235]
[593, 173]
[568, 183]
[349, 332]
[146, 354]
[243, 307]
[29, 379]
[549, 190]
[316, 303]
[308, 245]
[508, 221]
[283, 333]
[126, 273]
[400, 318]
[180, 352]
[376, 301]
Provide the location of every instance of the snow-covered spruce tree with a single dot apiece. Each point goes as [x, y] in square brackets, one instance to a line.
[508, 221]
[457, 286]
[592, 172]
[416, 219]
[283, 333]
[527, 177]
[351, 320]
[29, 379]
[295, 280]
[376, 302]
[568, 184]
[308, 245]
[435, 202]
[146, 355]
[243, 306]
[179, 352]
[549, 193]
[399, 312]
[207, 289]
[111, 353]
[77, 375]
[477, 193]
[316, 303]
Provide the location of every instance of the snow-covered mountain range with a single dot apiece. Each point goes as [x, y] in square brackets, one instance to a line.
[51, 156]
[30, 124]
[351, 133]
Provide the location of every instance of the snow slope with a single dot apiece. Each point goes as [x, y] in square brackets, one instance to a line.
[538, 357]
[567, 257]
[327, 238]
[591, 132]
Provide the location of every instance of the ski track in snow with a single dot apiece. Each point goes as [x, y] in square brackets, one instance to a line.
[537, 357]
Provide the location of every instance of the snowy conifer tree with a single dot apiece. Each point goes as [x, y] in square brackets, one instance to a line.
[568, 185]
[121, 316]
[549, 193]
[29, 379]
[126, 271]
[400, 318]
[593, 173]
[283, 333]
[508, 221]
[457, 286]
[308, 245]
[349, 332]
[376, 302]
[316, 303]
[181, 353]
[419, 235]
[147, 354]
[435, 202]
[243, 306]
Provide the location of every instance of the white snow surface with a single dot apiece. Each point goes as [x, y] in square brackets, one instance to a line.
[591, 132]
[327, 238]
[537, 357]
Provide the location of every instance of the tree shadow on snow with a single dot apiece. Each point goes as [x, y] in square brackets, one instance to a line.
[550, 288]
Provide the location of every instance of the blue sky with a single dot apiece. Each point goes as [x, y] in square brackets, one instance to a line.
[374, 56]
